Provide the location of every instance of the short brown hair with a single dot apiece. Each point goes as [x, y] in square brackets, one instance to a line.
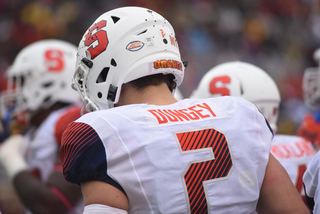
[155, 79]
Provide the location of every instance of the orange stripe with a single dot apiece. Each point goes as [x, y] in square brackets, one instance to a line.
[191, 140]
[217, 156]
[199, 187]
[183, 140]
[196, 143]
[187, 140]
[204, 138]
[76, 148]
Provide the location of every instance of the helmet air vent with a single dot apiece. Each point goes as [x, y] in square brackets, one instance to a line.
[113, 62]
[115, 19]
[47, 85]
[103, 75]
[47, 99]
[142, 32]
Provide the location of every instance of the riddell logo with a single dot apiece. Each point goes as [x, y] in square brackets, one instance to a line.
[135, 46]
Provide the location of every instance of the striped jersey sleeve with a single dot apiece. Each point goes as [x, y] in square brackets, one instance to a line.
[70, 115]
[83, 155]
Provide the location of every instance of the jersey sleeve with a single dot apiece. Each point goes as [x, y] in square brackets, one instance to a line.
[83, 155]
[69, 116]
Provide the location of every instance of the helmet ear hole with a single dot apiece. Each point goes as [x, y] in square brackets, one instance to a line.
[103, 75]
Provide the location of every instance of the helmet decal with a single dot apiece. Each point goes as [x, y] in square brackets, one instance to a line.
[54, 60]
[218, 85]
[99, 36]
[173, 41]
[167, 64]
[135, 46]
[162, 33]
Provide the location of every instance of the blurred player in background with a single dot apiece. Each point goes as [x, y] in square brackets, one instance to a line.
[40, 99]
[248, 81]
[4, 125]
[310, 129]
[141, 151]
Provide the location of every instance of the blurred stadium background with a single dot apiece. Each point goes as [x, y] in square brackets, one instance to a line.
[279, 36]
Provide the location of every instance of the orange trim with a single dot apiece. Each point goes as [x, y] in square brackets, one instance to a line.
[61, 196]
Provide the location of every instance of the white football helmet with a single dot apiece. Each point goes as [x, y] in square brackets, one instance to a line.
[242, 80]
[40, 76]
[311, 83]
[122, 45]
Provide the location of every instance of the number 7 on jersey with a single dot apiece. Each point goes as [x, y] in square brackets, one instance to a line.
[198, 172]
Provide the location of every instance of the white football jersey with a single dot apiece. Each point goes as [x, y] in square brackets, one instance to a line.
[294, 153]
[41, 146]
[311, 180]
[194, 156]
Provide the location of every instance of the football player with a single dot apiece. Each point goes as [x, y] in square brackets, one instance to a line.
[139, 150]
[250, 82]
[40, 98]
[310, 129]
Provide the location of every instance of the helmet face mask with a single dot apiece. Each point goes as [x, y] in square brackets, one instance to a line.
[311, 84]
[40, 76]
[244, 80]
[120, 46]
[311, 87]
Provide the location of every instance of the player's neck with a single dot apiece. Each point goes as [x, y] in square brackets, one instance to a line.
[155, 95]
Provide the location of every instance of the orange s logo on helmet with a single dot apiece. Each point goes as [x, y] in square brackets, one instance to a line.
[100, 36]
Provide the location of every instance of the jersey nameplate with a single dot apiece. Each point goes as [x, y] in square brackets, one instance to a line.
[163, 116]
[296, 150]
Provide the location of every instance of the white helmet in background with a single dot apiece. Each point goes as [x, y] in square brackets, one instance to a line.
[122, 45]
[242, 80]
[40, 76]
[311, 83]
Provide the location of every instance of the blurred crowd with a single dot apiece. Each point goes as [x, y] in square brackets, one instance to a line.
[279, 36]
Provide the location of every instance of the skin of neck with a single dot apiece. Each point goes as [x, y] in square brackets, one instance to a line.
[154, 95]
